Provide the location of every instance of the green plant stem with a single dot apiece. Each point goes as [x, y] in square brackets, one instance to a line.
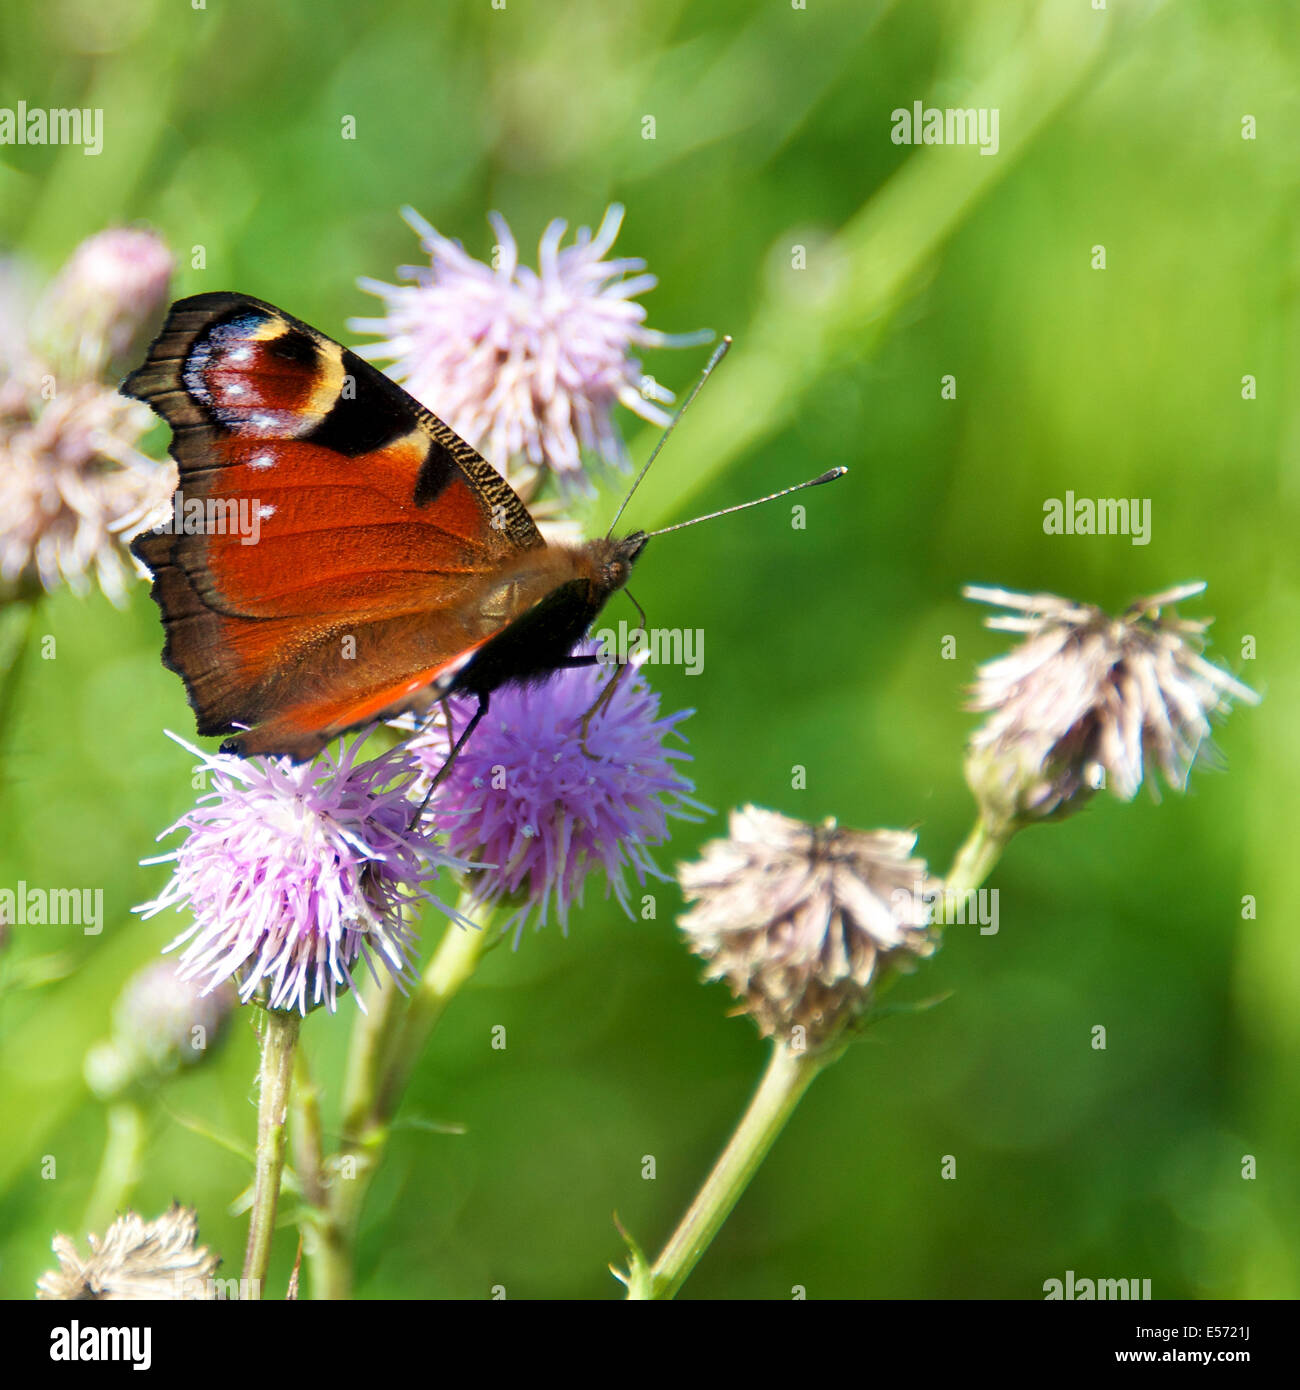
[279, 1041]
[453, 963]
[308, 1137]
[372, 1035]
[386, 1044]
[119, 1169]
[974, 861]
[788, 1076]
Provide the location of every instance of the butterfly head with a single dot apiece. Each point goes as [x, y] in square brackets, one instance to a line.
[612, 561]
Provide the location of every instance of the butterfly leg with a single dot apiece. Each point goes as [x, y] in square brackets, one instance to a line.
[611, 685]
[571, 663]
[445, 706]
[442, 772]
[590, 659]
[601, 701]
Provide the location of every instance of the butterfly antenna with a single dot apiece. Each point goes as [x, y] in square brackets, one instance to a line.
[828, 477]
[719, 353]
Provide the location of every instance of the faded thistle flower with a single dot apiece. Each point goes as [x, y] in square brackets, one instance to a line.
[526, 365]
[161, 1023]
[1086, 700]
[801, 920]
[293, 873]
[537, 813]
[74, 485]
[136, 1259]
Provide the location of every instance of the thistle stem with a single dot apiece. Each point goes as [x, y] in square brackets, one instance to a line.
[788, 1076]
[453, 963]
[309, 1144]
[974, 861]
[386, 1044]
[119, 1169]
[279, 1040]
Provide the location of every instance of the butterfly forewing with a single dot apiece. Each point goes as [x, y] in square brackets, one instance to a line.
[334, 546]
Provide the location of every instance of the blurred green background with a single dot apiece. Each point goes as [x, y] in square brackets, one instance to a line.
[823, 647]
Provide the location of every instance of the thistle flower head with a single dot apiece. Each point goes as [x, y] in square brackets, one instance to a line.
[526, 365]
[538, 813]
[160, 1023]
[74, 486]
[136, 1259]
[292, 873]
[15, 312]
[1088, 700]
[105, 298]
[800, 920]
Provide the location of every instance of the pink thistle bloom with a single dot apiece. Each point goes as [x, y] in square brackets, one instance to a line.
[161, 1023]
[294, 872]
[538, 814]
[104, 298]
[526, 365]
[74, 485]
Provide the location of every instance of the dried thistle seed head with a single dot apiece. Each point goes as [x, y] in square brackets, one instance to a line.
[801, 920]
[74, 486]
[136, 1259]
[1088, 700]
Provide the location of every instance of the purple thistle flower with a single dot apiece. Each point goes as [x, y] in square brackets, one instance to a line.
[537, 813]
[525, 365]
[293, 872]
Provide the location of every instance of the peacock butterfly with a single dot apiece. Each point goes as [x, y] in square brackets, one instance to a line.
[393, 565]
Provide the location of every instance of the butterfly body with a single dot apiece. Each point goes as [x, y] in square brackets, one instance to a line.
[382, 563]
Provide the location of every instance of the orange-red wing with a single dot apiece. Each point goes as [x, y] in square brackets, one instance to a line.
[331, 541]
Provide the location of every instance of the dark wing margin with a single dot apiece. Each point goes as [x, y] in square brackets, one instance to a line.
[318, 392]
[256, 400]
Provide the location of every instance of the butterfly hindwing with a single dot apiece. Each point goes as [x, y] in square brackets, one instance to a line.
[346, 543]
